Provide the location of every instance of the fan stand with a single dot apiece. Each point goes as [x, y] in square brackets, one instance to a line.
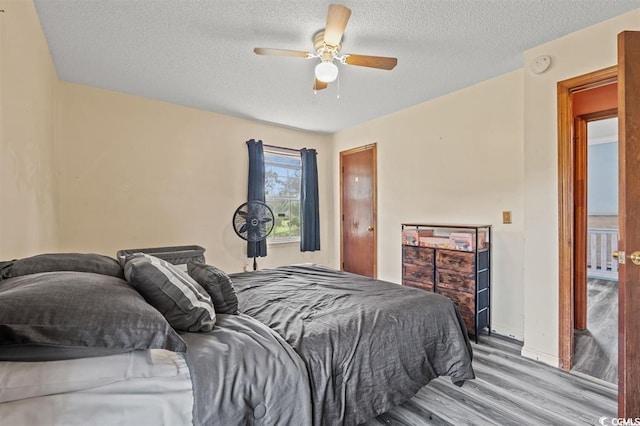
[255, 264]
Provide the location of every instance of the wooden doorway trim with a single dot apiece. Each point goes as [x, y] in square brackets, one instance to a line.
[566, 234]
[374, 148]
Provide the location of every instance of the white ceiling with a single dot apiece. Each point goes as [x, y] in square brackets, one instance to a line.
[199, 53]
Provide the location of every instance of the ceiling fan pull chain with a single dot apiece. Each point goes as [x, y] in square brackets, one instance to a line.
[338, 97]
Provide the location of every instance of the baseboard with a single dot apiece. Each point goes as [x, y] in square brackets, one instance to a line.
[607, 385]
[508, 339]
[546, 358]
[507, 332]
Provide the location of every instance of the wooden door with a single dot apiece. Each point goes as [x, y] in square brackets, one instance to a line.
[358, 210]
[629, 224]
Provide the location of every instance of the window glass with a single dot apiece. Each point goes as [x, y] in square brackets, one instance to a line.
[282, 193]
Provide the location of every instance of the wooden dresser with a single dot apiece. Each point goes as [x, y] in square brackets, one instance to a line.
[455, 261]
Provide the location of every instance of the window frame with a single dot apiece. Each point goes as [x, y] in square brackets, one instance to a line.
[274, 151]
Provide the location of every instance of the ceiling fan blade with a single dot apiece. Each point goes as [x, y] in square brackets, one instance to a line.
[337, 19]
[282, 52]
[320, 85]
[379, 62]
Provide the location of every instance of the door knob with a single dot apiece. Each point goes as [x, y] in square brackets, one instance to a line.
[619, 256]
[370, 229]
[635, 257]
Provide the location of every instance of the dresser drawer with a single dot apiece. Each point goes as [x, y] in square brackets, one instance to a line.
[459, 261]
[415, 284]
[416, 273]
[454, 280]
[465, 303]
[418, 255]
[482, 299]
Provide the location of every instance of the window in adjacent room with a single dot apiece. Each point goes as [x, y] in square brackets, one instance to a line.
[282, 172]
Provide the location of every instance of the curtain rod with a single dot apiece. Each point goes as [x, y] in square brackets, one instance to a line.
[280, 147]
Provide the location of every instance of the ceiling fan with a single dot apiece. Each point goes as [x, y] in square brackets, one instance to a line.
[327, 45]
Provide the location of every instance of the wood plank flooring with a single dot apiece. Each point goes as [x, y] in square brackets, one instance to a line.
[596, 348]
[508, 390]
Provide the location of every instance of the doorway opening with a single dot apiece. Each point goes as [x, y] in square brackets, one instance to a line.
[596, 322]
[572, 203]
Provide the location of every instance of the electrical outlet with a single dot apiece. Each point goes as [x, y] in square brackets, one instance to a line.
[506, 216]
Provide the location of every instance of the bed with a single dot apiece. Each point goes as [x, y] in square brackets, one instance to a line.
[301, 344]
[368, 345]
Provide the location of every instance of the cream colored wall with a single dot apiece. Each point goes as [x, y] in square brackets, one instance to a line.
[579, 53]
[136, 173]
[455, 159]
[28, 80]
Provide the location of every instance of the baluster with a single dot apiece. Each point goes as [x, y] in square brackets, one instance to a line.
[614, 247]
[604, 257]
[593, 254]
[588, 249]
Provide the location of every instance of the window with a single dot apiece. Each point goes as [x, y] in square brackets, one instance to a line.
[282, 174]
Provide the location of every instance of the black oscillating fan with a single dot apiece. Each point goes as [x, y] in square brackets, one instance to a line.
[253, 221]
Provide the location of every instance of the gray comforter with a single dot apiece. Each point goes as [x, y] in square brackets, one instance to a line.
[243, 373]
[368, 345]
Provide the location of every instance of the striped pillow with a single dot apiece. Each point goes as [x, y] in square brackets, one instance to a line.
[217, 284]
[182, 301]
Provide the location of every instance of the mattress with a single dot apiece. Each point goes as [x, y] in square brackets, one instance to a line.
[138, 387]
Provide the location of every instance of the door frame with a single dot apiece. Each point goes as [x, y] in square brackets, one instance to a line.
[374, 148]
[566, 188]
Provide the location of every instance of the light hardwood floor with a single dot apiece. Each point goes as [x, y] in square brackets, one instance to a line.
[508, 390]
[596, 348]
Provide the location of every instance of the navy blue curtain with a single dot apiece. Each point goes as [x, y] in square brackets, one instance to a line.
[310, 210]
[256, 190]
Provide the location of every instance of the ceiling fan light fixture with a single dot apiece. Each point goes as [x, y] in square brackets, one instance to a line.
[326, 71]
[327, 44]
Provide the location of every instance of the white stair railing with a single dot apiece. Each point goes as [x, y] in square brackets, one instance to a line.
[601, 243]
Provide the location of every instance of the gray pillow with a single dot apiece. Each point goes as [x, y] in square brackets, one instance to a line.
[183, 302]
[87, 311]
[78, 262]
[217, 284]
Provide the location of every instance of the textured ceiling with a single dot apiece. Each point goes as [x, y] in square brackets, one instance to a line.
[200, 53]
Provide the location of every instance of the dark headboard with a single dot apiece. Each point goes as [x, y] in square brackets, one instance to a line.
[178, 255]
